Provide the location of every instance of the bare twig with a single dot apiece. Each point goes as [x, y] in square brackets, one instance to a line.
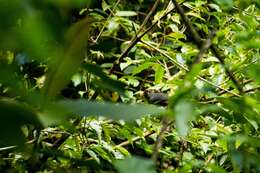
[244, 83]
[214, 101]
[221, 58]
[252, 89]
[132, 43]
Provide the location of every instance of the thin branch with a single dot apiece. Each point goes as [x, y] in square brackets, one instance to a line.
[252, 89]
[15, 146]
[210, 157]
[135, 139]
[135, 41]
[182, 149]
[244, 83]
[205, 46]
[159, 139]
[194, 33]
[196, 37]
[180, 66]
[132, 43]
[239, 70]
[165, 122]
[102, 29]
[214, 101]
[148, 16]
[221, 58]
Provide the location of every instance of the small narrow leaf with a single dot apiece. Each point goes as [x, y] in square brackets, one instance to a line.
[142, 67]
[126, 13]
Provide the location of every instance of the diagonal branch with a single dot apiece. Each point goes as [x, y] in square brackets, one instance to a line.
[197, 39]
[194, 33]
[180, 66]
[148, 16]
[102, 29]
[205, 46]
[136, 39]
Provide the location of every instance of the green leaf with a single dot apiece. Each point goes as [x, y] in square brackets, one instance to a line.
[195, 15]
[217, 169]
[101, 152]
[135, 164]
[115, 111]
[254, 71]
[106, 82]
[184, 112]
[225, 4]
[142, 67]
[66, 61]
[159, 73]
[13, 117]
[176, 35]
[125, 13]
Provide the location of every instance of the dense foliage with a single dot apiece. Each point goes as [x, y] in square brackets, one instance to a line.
[130, 86]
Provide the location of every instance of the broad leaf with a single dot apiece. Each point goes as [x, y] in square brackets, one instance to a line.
[12, 117]
[66, 61]
[135, 164]
[114, 111]
[184, 112]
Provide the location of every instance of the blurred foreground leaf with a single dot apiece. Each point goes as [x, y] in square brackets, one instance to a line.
[135, 164]
[12, 117]
[115, 111]
[67, 60]
[184, 112]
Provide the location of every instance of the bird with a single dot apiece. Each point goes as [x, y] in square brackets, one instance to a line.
[158, 98]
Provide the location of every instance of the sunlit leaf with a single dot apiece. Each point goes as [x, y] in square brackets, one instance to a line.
[126, 13]
[142, 67]
[159, 73]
